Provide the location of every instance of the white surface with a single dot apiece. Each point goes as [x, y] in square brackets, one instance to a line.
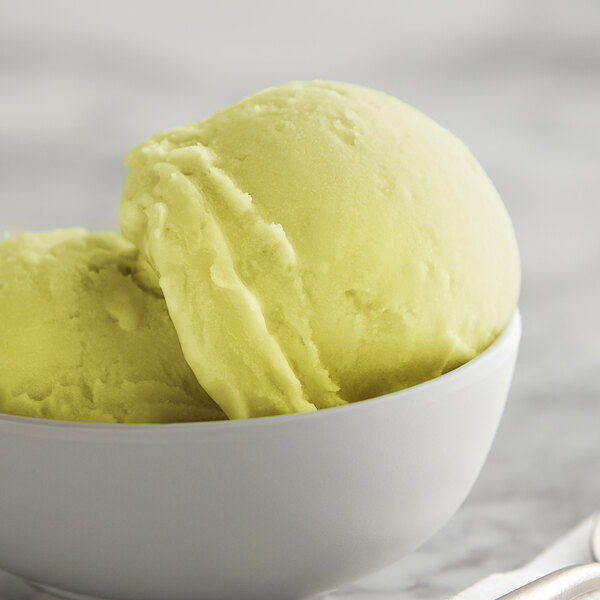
[572, 549]
[279, 507]
[80, 83]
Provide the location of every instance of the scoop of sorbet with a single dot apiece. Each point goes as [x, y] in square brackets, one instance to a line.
[86, 335]
[321, 243]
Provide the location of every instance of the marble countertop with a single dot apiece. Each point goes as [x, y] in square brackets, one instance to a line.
[518, 82]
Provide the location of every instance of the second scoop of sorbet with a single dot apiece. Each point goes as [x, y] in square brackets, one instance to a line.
[86, 335]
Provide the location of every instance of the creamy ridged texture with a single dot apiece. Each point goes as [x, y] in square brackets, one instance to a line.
[321, 243]
[86, 335]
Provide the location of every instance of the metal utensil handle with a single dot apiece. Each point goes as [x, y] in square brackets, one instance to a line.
[595, 541]
[564, 584]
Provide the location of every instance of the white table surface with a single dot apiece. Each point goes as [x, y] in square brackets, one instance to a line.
[519, 82]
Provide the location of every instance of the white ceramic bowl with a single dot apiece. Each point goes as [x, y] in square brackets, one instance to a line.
[272, 508]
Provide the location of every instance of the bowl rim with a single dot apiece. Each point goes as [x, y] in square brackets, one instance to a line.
[482, 364]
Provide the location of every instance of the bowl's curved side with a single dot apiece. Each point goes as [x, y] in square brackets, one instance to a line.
[264, 511]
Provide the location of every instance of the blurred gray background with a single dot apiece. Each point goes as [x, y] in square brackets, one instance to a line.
[518, 81]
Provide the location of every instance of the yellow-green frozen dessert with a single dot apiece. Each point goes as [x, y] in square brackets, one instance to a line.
[85, 335]
[321, 243]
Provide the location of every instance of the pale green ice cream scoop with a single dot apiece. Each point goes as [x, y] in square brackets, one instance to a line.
[321, 243]
[86, 336]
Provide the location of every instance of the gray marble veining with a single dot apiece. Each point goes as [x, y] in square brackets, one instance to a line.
[519, 82]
